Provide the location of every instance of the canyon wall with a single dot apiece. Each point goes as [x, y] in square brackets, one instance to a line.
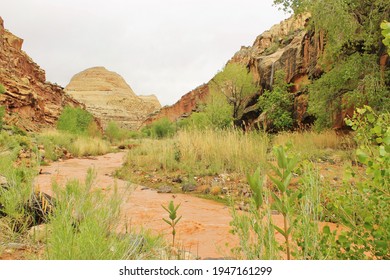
[31, 102]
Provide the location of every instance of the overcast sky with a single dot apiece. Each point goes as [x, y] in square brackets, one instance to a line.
[165, 47]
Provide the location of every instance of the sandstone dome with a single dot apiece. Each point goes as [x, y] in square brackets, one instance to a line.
[108, 97]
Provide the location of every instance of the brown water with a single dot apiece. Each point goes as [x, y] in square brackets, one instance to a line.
[203, 230]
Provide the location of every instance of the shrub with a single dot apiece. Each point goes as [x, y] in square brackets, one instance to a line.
[160, 129]
[115, 133]
[78, 145]
[277, 104]
[216, 114]
[74, 120]
[84, 223]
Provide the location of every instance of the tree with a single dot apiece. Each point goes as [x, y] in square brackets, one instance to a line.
[278, 103]
[236, 84]
[352, 75]
[216, 113]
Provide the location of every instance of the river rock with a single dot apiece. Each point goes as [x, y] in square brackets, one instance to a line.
[164, 189]
[188, 187]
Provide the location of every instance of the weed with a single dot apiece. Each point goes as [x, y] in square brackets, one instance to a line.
[173, 220]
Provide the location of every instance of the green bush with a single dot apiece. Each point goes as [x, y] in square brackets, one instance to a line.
[160, 129]
[74, 120]
[278, 103]
[216, 114]
[115, 133]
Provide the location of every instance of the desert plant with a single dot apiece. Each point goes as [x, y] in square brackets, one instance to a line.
[277, 104]
[255, 229]
[159, 129]
[74, 120]
[114, 132]
[283, 204]
[236, 84]
[84, 225]
[173, 219]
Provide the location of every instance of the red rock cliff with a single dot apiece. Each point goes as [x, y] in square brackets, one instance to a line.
[31, 102]
[182, 108]
[287, 45]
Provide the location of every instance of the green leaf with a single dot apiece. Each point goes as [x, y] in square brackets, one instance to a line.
[167, 221]
[278, 183]
[280, 231]
[287, 181]
[278, 205]
[326, 230]
[362, 156]
[177, 220]
[371, 118]
[276, 170]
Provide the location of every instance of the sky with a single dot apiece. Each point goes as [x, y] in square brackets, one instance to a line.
[166, 47]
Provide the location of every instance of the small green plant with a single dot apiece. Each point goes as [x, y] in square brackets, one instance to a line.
[255, 229]
[284, 201]
[173, 219]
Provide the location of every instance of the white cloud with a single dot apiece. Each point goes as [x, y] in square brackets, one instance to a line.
[163, 47]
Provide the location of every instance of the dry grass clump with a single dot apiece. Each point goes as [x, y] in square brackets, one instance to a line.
[202, 152]
[311, 144]
[77, 145]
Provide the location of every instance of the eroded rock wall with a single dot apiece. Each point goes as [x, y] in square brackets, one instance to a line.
[31, 102]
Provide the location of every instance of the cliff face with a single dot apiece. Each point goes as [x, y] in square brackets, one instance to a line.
[108, 97]
[183, 108]
[31, 102]
[287, 46]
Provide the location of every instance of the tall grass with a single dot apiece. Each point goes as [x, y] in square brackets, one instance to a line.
[84, 225]
[313, 145]
[202, 152]
[77, 145]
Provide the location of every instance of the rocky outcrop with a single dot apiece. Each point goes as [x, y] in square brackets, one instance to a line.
[31, 102]
[187, 104]
[287, 46]
[290, 47]
[108, 97]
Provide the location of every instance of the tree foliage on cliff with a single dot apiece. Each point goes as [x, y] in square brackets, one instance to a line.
[216, 113]
[236, 84]
[277, 104]
[353, 46]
